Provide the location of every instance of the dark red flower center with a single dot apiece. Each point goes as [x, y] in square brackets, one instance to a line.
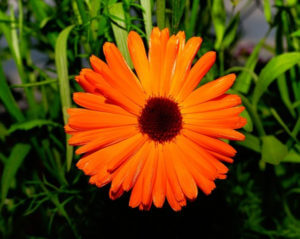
[160, 119]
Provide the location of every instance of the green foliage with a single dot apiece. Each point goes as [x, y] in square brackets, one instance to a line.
[40, 184]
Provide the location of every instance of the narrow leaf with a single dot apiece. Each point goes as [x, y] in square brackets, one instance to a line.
[18, 154]
[251, 142]
[292, 157]
[273, 151]
[243, 81]
[28, 125]
[147, 16]
[63, 79]
[272, 70]
[219, 20]
[267, 11]
[117, 13]
[7, 98]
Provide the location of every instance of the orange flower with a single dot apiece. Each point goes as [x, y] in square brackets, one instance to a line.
[154, 133]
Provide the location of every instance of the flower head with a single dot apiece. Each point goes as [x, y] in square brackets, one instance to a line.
[153, 131]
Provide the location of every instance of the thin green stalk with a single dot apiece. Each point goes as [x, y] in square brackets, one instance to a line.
[34, 84]
[245, 69]
[160, 13]
[192, 20]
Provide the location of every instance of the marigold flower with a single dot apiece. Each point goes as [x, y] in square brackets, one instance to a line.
[153, 131]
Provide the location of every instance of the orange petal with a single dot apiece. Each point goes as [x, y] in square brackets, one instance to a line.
[230, 122]
[197, 157]
[82, 119]
[150, 170]
[86, 86]
[168, 65]
[183, 65]
[137, 163]
[181, 36]
[110, 93]
[217, 132]
[85, 136]
[103, 140]
[171, 173]
[221, 157]
[113, 79]
[155, 59]
[174, 204]
[136, 193]
[216, 114]
[128, 148]
[197, 72]
[101, 178]
[210, 143]
[159, 189]
[185, 179]
[210, 90]
[222, 102]
[114, 195]
[69, 130]
[98, 103]
[114, 154]
[203, 182]
[118, 65]
[139, 59]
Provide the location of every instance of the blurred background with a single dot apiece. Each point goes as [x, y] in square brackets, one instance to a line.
[45, 44]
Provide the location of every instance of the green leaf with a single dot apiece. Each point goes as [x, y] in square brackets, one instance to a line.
[251, 142]
[243, 81]
[273, 151]
[177, 12]
[292, 157]
[277, 66]
[284, 93]
[283, 125]
[3, 132]
[296, 33]
[249, 126]
[18, 154]
[231, 30]
[119, 26]
[28, 125]
[7, 98]
[160, 13]
[219, 20]
[147, 16]
[267, 11]
[63, 79]
[191, 21]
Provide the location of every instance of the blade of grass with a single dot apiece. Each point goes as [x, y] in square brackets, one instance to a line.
[160, 13]
[275, 67]
[243, 81]
[8, 99]
[177, 12]
[219, 20]
[267, 11]
[116, 10]
[64, 85]
[190, 28]
[147, 16]
[18, 154]
[10, 33]
[35, 84]
[28, 125]
[283, 125]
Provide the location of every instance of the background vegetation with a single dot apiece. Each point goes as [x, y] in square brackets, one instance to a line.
[44, 195]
